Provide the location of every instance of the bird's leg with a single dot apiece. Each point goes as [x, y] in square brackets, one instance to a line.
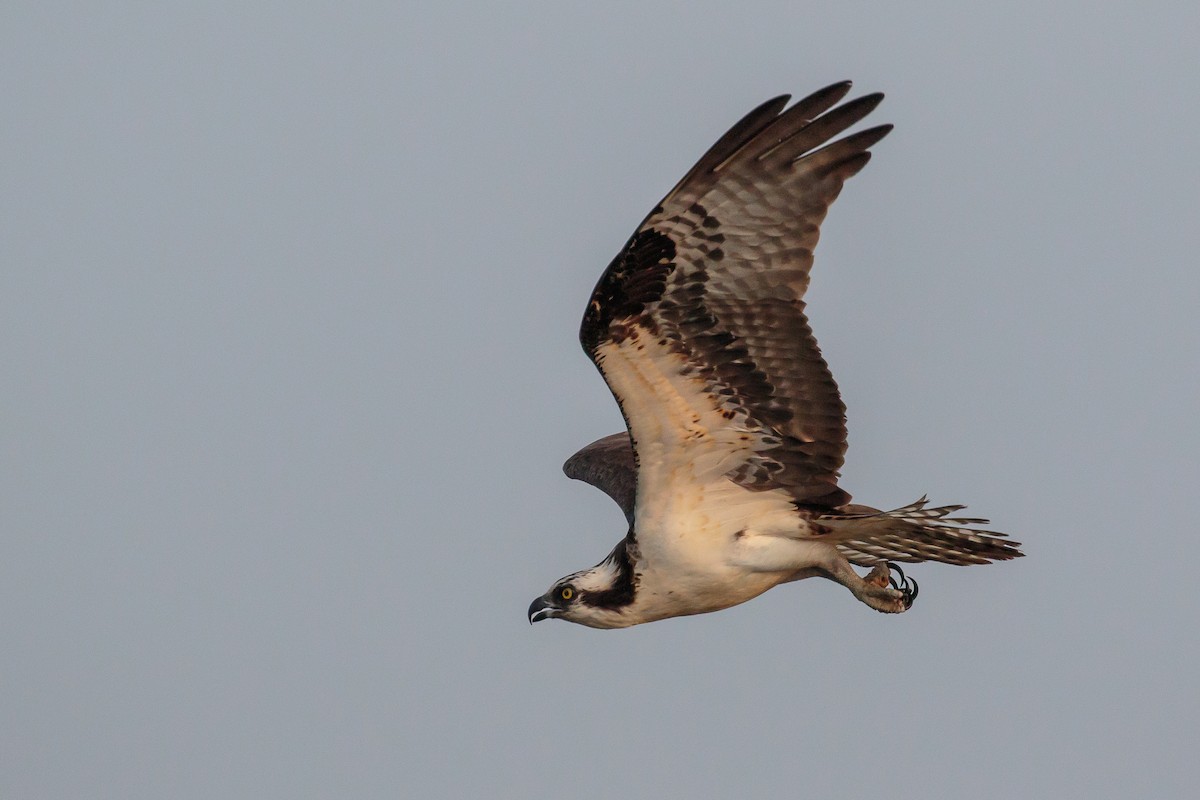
[879, 589]
[805, 558]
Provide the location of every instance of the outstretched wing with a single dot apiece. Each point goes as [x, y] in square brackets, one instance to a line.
[698, 325]
[608, 464]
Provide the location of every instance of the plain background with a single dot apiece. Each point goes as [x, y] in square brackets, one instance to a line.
[288, 306]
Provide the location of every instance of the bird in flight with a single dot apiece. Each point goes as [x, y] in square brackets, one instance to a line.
[728, 470]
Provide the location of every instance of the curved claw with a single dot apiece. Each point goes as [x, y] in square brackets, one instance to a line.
[906, 585]
[910, 592]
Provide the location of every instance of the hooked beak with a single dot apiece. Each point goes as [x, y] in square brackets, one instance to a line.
[541, 609]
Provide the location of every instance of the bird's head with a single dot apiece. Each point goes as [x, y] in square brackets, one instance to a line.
[599, 597]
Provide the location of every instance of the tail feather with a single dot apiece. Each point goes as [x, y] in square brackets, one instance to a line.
[915, 533]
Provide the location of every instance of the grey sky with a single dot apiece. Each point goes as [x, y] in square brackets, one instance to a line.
[288, 302]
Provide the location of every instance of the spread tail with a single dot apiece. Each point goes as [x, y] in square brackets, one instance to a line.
[915, 533]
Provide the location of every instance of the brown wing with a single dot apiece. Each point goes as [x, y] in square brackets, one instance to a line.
[608, 464]
[699, 321]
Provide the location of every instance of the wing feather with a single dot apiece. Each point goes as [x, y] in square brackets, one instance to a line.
[609, 465]
[698, 325]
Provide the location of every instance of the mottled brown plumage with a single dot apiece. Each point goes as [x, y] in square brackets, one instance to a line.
[718, 273]
[729, 471]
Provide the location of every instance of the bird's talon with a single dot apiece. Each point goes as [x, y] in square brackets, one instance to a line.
[906, 586]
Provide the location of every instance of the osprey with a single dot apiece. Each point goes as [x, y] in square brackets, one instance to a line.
[728, 470]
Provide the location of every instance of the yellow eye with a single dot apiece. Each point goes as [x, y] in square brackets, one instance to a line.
[566, 593]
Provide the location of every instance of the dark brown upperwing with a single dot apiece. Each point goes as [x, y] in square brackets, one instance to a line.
[717, 274]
